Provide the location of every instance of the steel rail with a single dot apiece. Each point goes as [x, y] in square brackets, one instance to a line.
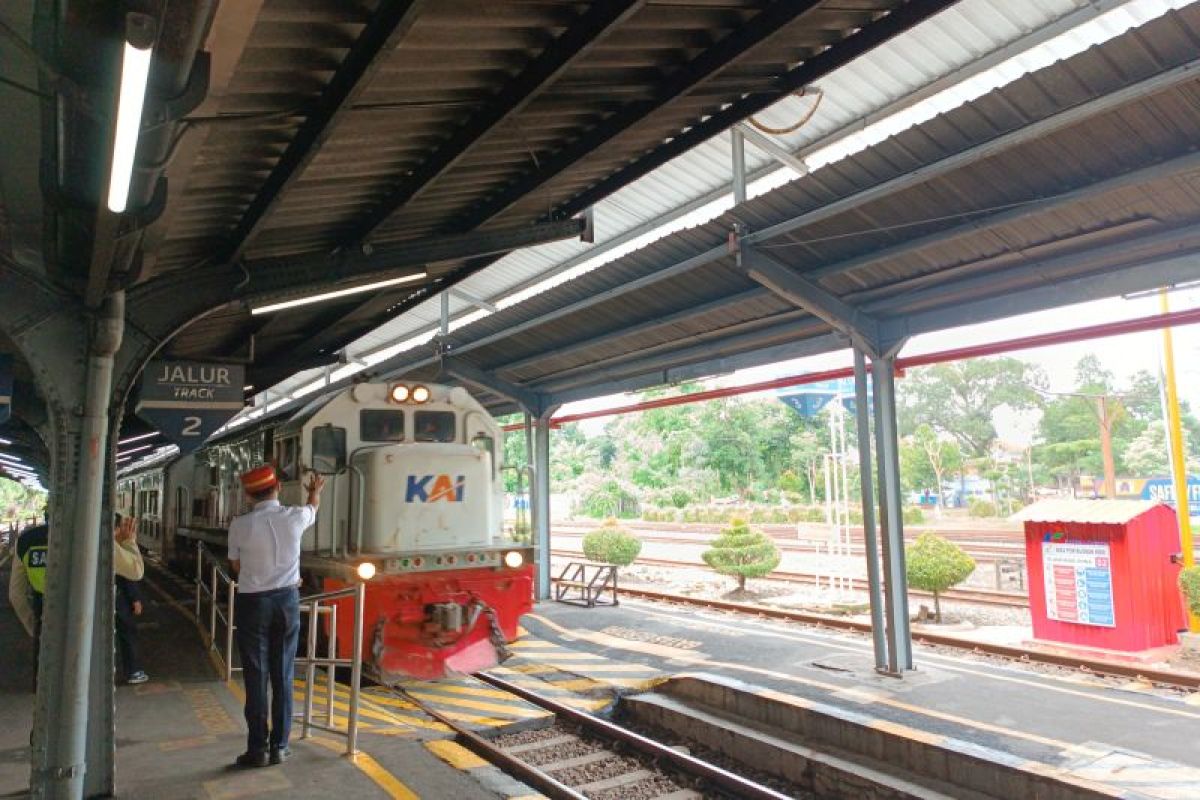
[1169, 678]
[741, 787]
[489, 751]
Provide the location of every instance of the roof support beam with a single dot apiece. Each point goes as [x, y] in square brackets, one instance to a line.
[1111, 282]
[710, 62]
[574, 43]
[783, 281]
[722, 365]
[478, 302]
[1163, 169]
[532, 402]
[628, 331]
[772, 148]
[304, 274]
[731, 342]
[388, 25]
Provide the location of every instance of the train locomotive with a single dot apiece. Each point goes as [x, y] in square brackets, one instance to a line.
[414, 490]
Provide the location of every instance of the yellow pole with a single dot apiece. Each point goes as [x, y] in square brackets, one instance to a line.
[1178, 459]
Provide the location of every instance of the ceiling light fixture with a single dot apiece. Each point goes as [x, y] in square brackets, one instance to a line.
[14, 459]
[135, 73]
[137, 438]
[135, 450]
[320, 298]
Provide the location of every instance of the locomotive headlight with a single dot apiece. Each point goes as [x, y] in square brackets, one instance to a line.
[366, 570]
[513, 559]
[399, 393]
[420, 394]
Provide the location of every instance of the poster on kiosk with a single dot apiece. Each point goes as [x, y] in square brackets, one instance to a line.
[1102, 574]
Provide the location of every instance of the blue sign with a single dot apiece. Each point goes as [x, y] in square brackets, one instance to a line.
[188, 400]
[1163, 491]
[6, 388]
[811, 398]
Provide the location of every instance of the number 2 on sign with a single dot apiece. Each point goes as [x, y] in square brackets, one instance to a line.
[191, 426]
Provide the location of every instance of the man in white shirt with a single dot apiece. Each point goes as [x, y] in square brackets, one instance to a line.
[264, 550]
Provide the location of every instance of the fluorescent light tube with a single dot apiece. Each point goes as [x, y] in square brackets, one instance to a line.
[139, 438]
[135, 72]
[14, 459]
[320, 298]
[136, 450]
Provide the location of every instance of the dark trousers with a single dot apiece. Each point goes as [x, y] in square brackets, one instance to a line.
[127, 636]
[268, 628]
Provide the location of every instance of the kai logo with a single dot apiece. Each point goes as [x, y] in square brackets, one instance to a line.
[434, 488]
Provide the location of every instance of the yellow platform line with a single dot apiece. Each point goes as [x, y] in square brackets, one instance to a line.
[457, 688]
[455, 754]
[385, 780]
[480, 705]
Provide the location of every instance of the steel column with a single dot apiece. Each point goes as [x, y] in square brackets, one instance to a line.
[73, 574]
[899, 639]
[738, 144]
[862, 413]
[540, 502]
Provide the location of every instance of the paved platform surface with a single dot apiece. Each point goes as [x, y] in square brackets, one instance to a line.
[177, 734]
[1125, 737]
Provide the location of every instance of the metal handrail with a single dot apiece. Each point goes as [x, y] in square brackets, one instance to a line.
[217, 576]
[312, 605]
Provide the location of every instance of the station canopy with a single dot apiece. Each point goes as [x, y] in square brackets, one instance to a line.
[337, 144]
[1072, 182]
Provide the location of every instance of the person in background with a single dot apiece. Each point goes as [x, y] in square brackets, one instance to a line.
[127, 563]
[264, 551]
[27, 584]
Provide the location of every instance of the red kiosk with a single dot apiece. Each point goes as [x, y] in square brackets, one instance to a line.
[1101, 575]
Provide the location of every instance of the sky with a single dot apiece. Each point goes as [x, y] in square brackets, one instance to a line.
[1123, 355]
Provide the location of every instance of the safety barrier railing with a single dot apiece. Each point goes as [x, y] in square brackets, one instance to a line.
[220, 583]
[315, 606]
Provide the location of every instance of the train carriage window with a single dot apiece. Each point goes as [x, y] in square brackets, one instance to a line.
[375, 425]
[434, 426]
[287, 455]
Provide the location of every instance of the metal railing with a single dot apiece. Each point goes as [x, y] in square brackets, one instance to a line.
[218, 578]
[316, 605]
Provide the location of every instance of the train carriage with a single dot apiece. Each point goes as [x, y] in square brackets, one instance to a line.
[414, 495]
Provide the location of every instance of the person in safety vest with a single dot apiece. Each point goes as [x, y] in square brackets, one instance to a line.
[264, 551]
[27, 584]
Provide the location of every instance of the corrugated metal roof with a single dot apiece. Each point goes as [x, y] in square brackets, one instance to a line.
[952, 255]
[1096, 512]
[931, 53]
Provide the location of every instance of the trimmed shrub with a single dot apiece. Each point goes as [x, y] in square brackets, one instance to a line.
[612, 544]
[610, 499]
[980, 508]
[913, 516]
[1189, 584]
[742, 552]
[935, 565]
[680, 498]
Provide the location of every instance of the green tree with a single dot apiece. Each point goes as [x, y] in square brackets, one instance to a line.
[959, 399]
[1147, 454]
[742, 552]
[935, 565]
[943, 456]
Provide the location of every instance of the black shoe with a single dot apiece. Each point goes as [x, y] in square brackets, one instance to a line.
[280, 754]
[253, 759]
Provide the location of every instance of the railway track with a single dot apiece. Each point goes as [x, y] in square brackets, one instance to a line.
[974, 596]
[583, 757]
[1183, 681]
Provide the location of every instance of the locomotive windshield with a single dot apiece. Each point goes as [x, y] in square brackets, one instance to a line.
[381, 426]
[435, 426]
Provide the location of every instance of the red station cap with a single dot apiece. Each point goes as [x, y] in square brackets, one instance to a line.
[259, 479]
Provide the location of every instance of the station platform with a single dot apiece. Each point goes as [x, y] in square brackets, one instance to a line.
[1124, 736]
[178, 734]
